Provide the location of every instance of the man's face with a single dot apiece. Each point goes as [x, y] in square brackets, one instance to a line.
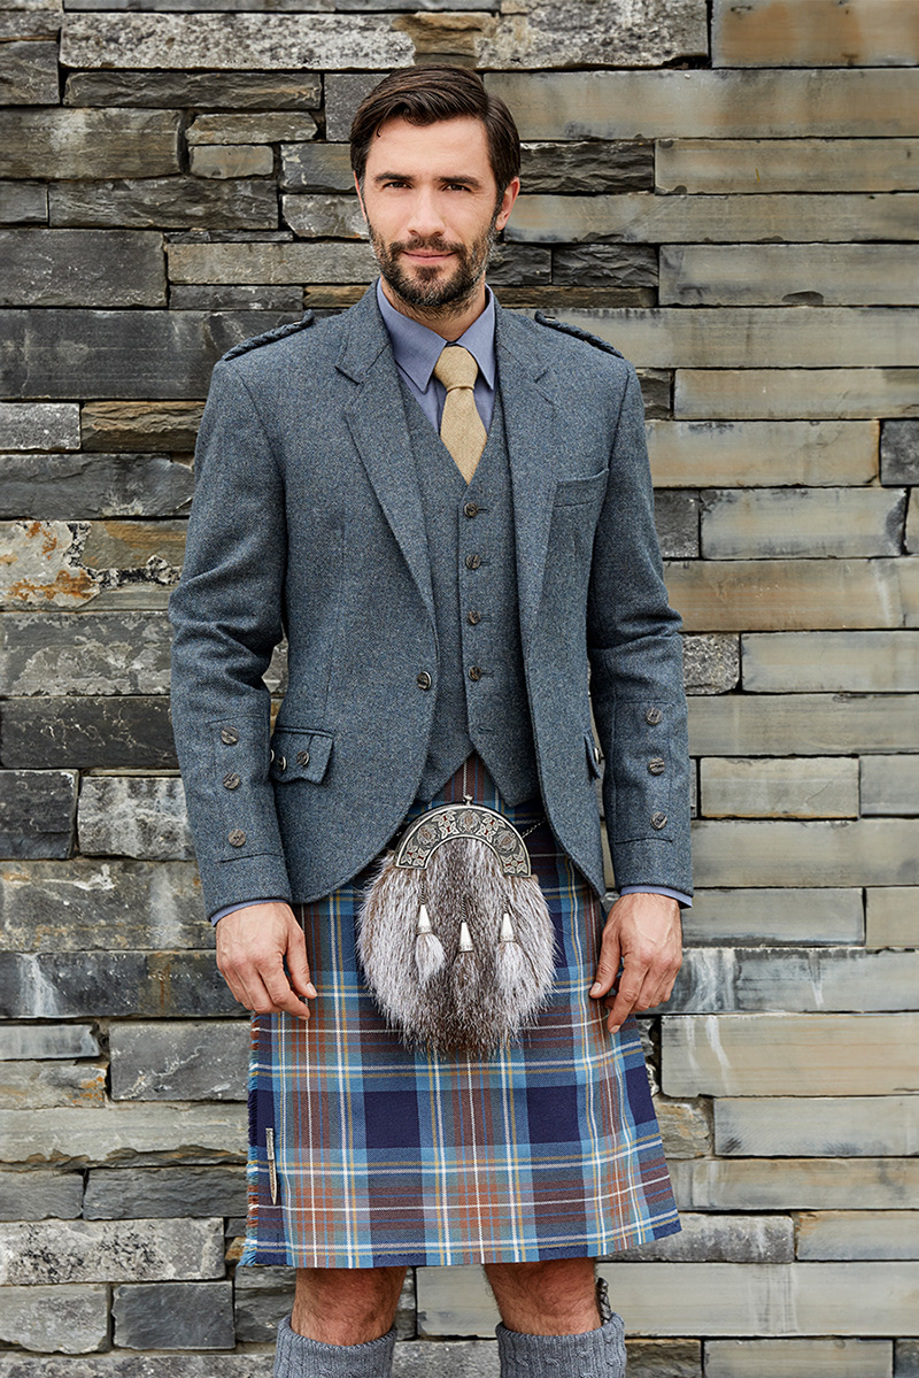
[432, 208]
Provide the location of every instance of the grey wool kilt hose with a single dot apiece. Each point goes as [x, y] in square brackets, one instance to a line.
[365, 1154]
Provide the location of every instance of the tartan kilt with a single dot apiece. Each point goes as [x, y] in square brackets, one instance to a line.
[382, 1156]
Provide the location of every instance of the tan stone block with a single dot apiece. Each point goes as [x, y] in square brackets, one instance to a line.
[793, 1055]
[802, 724]
[231, 160]
[788, 915]
[866, 852]
[797, 595]
[738, 166]
[113, 426]
[264, 127]
[734, 454]
[789, 275]
[814, 33]
[890, 785]
[270, 263]
[831, 662]
[809, 787]
[835, 1358]
[840, 1235]
[120, 543]
[892, 916]
[190, 1133]
[796, 1184]
[780, 522]
[684, 1126]
[644, 218]
[810, 394]
[820, 1127]
[710, 105]
[912, 523]
[42, 1085]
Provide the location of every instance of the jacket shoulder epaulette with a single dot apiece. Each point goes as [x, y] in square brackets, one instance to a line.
[554, 324]
[280, 332]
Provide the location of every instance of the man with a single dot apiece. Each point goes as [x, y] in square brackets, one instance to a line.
[446, 558]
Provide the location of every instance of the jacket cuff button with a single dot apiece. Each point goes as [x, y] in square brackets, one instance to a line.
[657, 765]
[303, 758]
[231, 780]
[229, 736]
[236, 838]
[653, 716]
[658, 820]
[424, 680]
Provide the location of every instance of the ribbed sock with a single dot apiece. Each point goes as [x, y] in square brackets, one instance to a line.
[298, 1356]
[594, 1354]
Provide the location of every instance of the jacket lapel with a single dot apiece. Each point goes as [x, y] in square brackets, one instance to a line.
[376, 420]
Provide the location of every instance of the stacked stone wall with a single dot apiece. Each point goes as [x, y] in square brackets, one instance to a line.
[728, 192]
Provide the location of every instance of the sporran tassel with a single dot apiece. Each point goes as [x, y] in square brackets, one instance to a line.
[429, 951]
[510, 959]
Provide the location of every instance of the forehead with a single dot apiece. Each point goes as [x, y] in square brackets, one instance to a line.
[449, 147]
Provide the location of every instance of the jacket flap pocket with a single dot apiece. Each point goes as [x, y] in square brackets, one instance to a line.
[594, 755]
[298, 754]
[570, 492]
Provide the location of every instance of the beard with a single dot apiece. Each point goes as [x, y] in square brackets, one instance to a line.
[429, 289]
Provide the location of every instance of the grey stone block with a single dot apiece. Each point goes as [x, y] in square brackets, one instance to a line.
[176, 203]
[711, 662]
[717, 1239]
[232, 297]
[83, 486]
[344, 92]
[30, 23]
[793, 787]
[158, 985]
[267, 127]
[23, 203]
[664, 1358]
[676, 516]
[44, 1085]
[906, 1363]
[252, 1365]
[605, 265]
[110, 1251]
[136, 817]
[28, 74]
[201, 90]
[174, 1315]
[816, 1127]
[62, 1320]
[39, 1194]
[900, 452]
[105, 905]
[750, 523]
[39, 426]
[88, 733]
[271, 262]
[178, 1061]
[858, 1235]
[19, 1041]
[36, 812]
[316, 167]
[892, 916]
[588, 166]
[890, 785]
[151, 1193]
[508, 266]
[830, 916]
[224, 161]
[324, 217]
[88, 143]
[120, 354]
[657, 392]
[812, 1358]
[123, 1135]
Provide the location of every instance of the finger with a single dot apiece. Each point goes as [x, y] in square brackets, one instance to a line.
[282, 997]
[297, 964]
[630, 984]
[607, 966]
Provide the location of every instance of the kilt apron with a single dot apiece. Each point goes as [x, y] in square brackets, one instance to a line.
[364, 1154]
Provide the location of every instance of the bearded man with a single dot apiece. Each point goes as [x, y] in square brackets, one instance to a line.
[447, 510]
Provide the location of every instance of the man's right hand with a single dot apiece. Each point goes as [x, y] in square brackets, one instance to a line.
[252, 944]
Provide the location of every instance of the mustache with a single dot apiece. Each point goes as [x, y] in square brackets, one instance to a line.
[435, 243]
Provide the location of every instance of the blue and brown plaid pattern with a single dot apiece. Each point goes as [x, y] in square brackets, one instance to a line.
[549, 1149]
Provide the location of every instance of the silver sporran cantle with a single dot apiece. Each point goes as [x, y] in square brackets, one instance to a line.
[454, 933]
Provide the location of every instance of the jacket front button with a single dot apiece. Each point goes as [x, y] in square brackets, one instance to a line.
[658, 820]
[475, 673]
[473, 617]
[231, 780]
[303, 758]
[229, 736]
[236, 838]
[424, 680]
[653, 716]
[473, 561]
[657, 765]
[471, 510]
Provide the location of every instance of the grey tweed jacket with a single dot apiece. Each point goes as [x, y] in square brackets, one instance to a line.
[307, 521]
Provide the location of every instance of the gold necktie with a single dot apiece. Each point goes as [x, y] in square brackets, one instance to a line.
[461, 427]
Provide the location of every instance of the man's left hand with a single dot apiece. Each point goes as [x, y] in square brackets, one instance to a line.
[642, 933]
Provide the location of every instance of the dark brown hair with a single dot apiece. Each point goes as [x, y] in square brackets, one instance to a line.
[425, 95]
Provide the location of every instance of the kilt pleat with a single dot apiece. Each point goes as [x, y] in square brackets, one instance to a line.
[546, 1149]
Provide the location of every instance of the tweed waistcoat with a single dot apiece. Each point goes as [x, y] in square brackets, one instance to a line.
[481, 699]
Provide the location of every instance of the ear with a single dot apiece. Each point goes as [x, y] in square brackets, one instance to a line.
[511, 192]
[357, 188]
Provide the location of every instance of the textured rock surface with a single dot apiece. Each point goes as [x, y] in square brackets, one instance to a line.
[81, 487]
[143, 818]
[141, 425]
[147, 1193]
[44, 1085]
[39, 426]
[174, 1315]
[81, 268]
[48, 985]
[36, 812]
[133, 1134]
[177, 203]
[100, 1251]
[180, 1062]
[204, 90]
[59, 1320]
[38, 1194]
[88, 143]
[28, 74]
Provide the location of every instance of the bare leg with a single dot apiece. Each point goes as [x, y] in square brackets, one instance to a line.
[346, 1306]
[553, 1298]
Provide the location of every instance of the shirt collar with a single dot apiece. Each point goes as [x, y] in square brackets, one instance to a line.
[417, 349]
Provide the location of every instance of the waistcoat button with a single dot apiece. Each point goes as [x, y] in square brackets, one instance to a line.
[471, 510]
[473, 561]
[473, 617]
[424, 680]
[475, 673]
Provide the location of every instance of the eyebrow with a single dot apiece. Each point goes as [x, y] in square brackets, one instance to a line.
[405, 177]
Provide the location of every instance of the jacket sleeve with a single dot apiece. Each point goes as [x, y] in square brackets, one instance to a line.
[226, 619]
[635, 653]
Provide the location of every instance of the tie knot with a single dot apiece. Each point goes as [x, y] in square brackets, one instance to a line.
[456, 368]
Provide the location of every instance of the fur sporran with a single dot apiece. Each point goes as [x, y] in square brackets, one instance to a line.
[454, 933]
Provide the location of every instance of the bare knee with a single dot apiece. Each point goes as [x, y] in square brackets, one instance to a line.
[346, 1306]
[554, 1297]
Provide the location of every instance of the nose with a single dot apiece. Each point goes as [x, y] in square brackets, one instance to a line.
[426, 219]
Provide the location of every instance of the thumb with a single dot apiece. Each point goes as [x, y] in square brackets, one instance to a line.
[297, 964]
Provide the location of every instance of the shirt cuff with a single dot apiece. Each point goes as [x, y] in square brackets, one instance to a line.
[684, 901]
[231, 908]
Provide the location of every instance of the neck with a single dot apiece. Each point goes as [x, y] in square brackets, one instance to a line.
[451, 320]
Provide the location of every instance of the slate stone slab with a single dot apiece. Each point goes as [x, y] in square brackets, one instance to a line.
[268, 127]
[717, 1239]
[676, 516]
[88, 143]
[270, 262]
[63, 1320]
[40, 1195]
[508, 266]
[253, 1365]
[28, 74]
[603, 265]
[265, 1294]
[36, 1252]
[201, 90]
[180, 1062]
[47, 1041]
[42, 1085]
[63, 985]
[23, 203]
[324, 217]
[85, 906]
[588, 166]
[120, 354]
[141, 425]
[711, 662]
[900, 452]
[80, 487]
[174, 1315]
[657, 392]
[135, 817]
[36, 812]
[231, 160]
[173, 203]
[233, 297]
[147, 1193]
[82, 268]
[907, 1359]
[87, 733]
[344, 92]
[29, 23]
[122, 1135]
[39, 426]
[316, 167]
